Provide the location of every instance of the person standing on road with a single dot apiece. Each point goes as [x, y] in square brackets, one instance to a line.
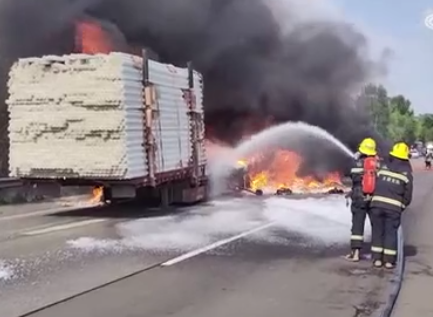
[392, 195]
[428, 159]
[360, 198]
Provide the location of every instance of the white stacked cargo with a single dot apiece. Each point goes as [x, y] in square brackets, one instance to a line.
[82, 116]
[77, 116]
[171, 129]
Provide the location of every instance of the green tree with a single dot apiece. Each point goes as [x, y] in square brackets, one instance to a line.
[402, 128]
[402, 105]
[425, 127]
[393, 116]
[402, 125]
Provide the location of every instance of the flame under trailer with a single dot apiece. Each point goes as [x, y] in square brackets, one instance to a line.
[126, 123]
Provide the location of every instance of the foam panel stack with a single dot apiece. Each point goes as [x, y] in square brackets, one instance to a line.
[77, 116]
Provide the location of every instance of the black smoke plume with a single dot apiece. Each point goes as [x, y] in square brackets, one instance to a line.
[253, 70]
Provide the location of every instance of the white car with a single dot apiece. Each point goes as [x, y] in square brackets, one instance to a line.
[415, 154]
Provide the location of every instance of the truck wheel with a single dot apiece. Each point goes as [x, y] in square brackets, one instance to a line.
[107, 196]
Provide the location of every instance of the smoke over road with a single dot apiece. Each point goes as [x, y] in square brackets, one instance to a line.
[255, 70]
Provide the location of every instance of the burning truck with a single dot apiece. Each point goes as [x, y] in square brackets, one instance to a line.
[124, 123]
[112, 117]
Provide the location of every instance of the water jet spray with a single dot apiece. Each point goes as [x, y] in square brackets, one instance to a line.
[284, 165]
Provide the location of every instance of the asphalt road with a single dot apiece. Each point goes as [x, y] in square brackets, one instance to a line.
[226, 258]
[229, 258]
[415, 296]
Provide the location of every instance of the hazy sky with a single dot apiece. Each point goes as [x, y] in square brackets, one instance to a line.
[399, 25]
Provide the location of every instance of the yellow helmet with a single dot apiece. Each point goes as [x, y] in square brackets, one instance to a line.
[400, 150]
[368, 147]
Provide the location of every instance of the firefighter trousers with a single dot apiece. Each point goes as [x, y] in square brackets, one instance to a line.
[359, 214]
[384, 235]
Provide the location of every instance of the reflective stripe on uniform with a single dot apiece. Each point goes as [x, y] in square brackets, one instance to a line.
[393, 175]
[356, 237]
[357, 170]
[376, 249]
[389, 252]
[390, 201]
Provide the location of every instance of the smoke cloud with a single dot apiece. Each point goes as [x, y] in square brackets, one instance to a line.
[257, 69]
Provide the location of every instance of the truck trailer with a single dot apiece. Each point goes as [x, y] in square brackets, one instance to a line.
[126, 124]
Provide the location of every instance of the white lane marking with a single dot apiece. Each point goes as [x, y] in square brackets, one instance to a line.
[215, 245]
[46, 212]
[63, 227]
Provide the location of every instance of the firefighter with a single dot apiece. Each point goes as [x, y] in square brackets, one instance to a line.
[360, 200]
[393, 193]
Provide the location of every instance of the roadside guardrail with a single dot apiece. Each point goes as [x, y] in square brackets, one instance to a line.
[6, 182]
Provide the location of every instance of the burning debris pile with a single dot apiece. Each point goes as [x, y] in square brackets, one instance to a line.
[278, 172]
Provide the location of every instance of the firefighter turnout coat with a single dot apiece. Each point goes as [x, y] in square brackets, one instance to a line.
[394, 185]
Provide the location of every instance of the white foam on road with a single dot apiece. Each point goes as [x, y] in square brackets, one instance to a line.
[324, 221]
[182, 232]
[6, 271]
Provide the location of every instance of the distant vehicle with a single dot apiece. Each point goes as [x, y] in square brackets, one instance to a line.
[415, 153]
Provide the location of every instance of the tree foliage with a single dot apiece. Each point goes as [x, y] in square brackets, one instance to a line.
[393, 117]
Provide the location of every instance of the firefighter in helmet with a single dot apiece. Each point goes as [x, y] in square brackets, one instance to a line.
[360, 205]
[393, 193]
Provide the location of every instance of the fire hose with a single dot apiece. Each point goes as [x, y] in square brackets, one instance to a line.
[397, 279]
[398, 274]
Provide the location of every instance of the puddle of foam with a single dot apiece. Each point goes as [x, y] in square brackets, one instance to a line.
[89, 244]
[197, 228]
[326, 220]
[6, 272]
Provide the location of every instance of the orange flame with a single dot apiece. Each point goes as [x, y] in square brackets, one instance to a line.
[97, 195]
[280, 171]
[91, 38]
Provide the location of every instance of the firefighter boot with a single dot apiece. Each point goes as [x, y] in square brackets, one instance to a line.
[389, 266]
[353, 256]
[377, 263]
